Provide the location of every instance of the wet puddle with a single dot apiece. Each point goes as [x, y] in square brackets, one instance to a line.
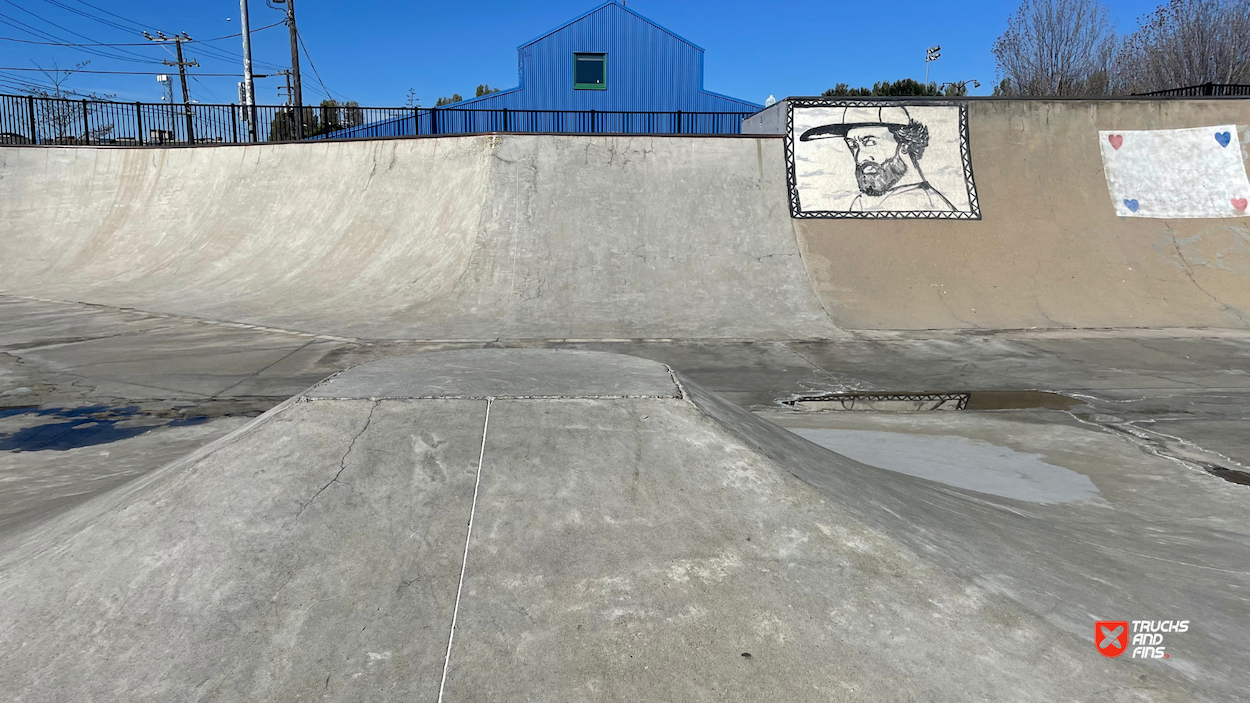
[59, 429]
[34, 428]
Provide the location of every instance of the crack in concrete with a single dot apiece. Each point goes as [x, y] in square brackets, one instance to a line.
[342, 461]
[1189, 273]
[266, 368]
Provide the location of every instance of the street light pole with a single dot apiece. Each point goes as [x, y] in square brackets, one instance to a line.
[960, 88]
[930, 55]
[249, 87]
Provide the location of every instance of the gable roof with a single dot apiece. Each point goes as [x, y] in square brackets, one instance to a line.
[622, 8]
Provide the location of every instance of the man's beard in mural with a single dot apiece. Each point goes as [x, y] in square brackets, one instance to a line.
[877, 179]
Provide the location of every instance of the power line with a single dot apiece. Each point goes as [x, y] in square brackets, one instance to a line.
[115, 73]
[89, 16]
[124, 19]
[232, 36]
[313, 67]
[111, 44]
[14, 23]
[211, 94]
[223, 55]
[53, 43]
[28, 86]
[141, 58]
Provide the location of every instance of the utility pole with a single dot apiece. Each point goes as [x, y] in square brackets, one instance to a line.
[292, 121]
[178, 39]
[287, 73]
[297, 97]
[249, 87]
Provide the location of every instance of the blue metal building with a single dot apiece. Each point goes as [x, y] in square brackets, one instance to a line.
[610, 70]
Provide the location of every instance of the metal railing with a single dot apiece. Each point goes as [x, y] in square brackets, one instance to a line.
[1204, 89]
[33, 120]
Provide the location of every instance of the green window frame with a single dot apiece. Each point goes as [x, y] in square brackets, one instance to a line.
[585, 76]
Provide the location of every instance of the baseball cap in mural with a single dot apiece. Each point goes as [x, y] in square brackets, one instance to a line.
[852, 117]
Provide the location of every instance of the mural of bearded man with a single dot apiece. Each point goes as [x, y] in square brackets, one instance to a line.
[887, 145]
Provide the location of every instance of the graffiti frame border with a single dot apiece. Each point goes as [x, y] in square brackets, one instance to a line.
[965, 151]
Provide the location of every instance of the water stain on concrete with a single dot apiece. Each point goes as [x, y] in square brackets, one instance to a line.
[961, 462]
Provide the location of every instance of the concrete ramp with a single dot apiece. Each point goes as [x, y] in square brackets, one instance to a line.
[527, 524]
[615, 237]
[470, 238]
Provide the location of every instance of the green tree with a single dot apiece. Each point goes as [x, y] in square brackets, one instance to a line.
[455, 98]
[844, 90]
[353, 116]
[485, 89]
[282, 126]
[331, 116]
[904, 87]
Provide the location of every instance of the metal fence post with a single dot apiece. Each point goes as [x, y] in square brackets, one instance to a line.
[434, 120]
[30, 103]
[679, 121]
[139, 122]
[416, 121]
[234, 123]
[86, 125]
[593, 115]
[505, 119]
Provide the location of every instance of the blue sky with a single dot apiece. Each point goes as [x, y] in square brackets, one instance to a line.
[374, 52]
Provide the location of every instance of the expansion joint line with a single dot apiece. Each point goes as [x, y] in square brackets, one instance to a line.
[464, 563]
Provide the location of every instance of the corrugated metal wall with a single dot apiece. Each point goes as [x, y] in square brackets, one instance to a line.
[649, 68]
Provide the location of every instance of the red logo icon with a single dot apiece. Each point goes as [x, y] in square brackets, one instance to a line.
[1111, 636]
[1116, 141]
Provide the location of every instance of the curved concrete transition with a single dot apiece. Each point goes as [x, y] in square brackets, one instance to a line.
[521, 236]
[594, 527]
[455, 238]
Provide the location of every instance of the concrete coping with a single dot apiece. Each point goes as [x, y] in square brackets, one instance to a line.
[502, 373]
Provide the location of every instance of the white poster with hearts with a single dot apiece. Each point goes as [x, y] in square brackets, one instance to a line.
[1174, 173]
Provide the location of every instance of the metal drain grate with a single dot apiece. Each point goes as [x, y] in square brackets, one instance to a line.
[905, 402]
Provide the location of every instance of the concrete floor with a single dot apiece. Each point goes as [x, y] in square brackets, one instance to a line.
[1179, 394]
[563, 525]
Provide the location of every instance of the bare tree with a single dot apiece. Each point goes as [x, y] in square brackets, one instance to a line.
[57, 116]
[1056, 48]
[1187, 42]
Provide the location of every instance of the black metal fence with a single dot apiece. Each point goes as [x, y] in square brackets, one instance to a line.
[1204, 90]
[32, 120]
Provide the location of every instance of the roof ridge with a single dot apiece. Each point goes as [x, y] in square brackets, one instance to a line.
[619, 6]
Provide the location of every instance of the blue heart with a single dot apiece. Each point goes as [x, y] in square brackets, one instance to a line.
[1223, 138]
[1131, 205]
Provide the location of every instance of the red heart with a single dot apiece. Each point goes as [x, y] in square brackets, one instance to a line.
[1116, 140]
[1239, 203]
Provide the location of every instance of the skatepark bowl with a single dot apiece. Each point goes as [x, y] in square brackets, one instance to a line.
[559, 417]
